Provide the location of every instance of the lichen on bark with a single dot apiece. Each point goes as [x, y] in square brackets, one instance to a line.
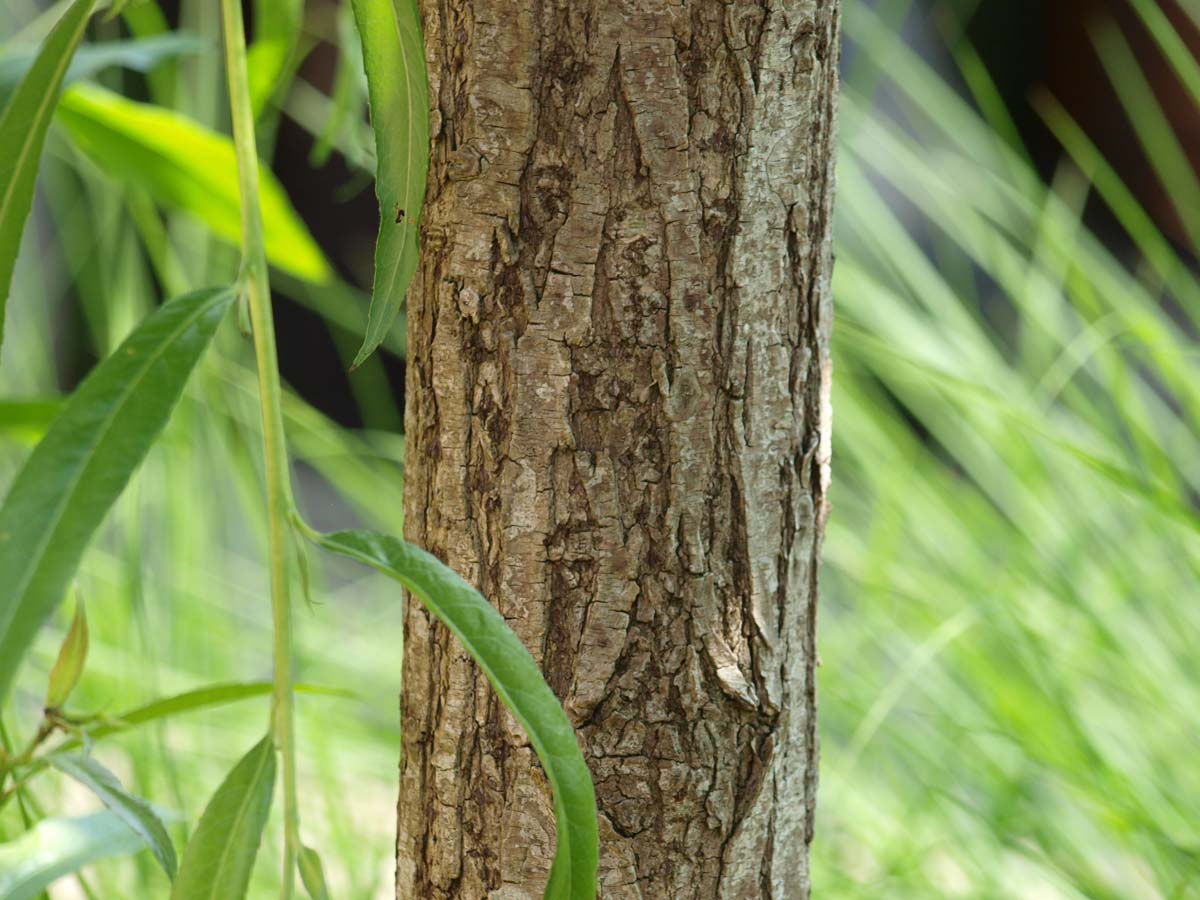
[618, 428]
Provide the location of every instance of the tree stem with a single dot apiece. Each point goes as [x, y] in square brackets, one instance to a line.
[278, 486]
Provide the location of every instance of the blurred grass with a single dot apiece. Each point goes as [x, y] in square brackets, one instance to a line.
[1010, 700]
[1009, 696]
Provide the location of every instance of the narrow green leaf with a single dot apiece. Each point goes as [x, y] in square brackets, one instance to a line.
[138, 54]
[23, 127]
[133, 811]
[187, 167]
[312, 874]
[67, 485]
[349, 95]
[277, 26]
[193, 701]
[57, 847]
[145, 21]
[218, 859]
[71, 658]
[398, 91]
[519, 684]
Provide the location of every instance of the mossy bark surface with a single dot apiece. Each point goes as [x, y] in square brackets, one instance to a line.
[618, 428]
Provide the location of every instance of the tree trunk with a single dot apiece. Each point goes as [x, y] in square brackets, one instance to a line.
[618, 428]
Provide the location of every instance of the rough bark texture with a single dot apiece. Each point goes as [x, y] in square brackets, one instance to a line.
[618, 428]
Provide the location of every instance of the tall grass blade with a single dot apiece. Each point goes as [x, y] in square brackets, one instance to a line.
[23, 129]
[398, 91]
[517, 681]
[74, 475]
[1167, 154]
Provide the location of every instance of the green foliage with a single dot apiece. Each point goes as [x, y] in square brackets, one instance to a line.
[217, 862]
[186, 167]
[27, 419]
[131, 810]
[189, 701]
[80, 467]
[23, 124]
[56, 847]
[394, 58]
[312, 874]
[1008, 688]
[71, 658]
[349, 88]
[518, 681]
[1008, 692]
[271, 56]
[140, 55]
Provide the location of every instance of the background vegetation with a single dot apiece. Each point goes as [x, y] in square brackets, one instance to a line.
[1010, 700]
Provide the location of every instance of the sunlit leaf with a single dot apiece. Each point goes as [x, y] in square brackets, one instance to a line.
[517, 681]
[23, 128]
[71, 658]
[57, 847]
[67, 485]
[185, 166]
[133, 811]
[220, 855]
[398, 90]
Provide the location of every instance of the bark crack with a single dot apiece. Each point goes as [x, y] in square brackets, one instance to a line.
[618, 424]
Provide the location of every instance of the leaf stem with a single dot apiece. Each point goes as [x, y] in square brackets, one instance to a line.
[278, 486]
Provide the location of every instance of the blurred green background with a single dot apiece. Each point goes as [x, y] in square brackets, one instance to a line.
[1010, 695]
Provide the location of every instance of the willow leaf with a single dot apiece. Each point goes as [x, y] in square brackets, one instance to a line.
[518, 682]
[57, 847]
[133, 811]
[220, 855]
[23, 133]
[80, 467]
[192, 701]
[398, 92]
[185, 166]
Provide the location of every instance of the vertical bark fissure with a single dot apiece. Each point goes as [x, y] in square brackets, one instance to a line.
[618, 424]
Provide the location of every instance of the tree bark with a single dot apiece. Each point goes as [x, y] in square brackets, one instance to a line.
[618, 428]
